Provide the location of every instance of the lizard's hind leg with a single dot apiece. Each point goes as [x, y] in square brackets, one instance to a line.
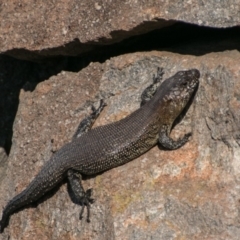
[75, 178]
[82, 197]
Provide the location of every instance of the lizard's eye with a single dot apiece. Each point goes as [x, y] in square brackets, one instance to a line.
[184, 83]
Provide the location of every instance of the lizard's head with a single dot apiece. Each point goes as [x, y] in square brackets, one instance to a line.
[178, 90]
[181, 86]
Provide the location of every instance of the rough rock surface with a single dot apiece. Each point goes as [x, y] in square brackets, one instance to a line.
[189, 193]
[47, 28]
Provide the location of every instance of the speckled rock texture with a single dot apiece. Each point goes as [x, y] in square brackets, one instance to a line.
[30, 29]
[189, 193]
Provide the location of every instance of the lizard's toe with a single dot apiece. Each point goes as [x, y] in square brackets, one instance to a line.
[85, 201]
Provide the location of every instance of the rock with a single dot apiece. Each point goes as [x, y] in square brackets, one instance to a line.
[189, 193]
[30, 30]
[14, 75]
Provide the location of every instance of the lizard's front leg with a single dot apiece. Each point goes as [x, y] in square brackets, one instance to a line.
[82, 197]
[86, 124]
[149, 92]
[167, 142]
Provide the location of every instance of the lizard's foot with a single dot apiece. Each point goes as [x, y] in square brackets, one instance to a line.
[149, 92]
[82, 197]
[159, 76]
[184, 139]
[86, 124]
[168, 143]
[85, 202]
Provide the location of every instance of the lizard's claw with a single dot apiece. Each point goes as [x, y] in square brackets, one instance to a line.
[85, 202]
[186, 137]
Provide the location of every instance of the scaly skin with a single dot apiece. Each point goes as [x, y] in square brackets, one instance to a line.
[112, 145]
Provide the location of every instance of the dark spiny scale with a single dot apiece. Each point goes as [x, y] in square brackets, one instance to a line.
[112, 145]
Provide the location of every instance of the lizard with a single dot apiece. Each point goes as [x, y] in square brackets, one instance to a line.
[93, 151]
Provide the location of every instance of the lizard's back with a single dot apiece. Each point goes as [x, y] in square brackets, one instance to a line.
[111, 145]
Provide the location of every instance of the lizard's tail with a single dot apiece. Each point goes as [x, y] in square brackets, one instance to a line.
[46, 180]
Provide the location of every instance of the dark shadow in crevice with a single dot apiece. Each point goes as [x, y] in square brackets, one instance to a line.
[179, 38]
[77, 48]
[16, 75]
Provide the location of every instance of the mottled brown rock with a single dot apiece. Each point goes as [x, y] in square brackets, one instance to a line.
[49, 28]
[189, 193]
